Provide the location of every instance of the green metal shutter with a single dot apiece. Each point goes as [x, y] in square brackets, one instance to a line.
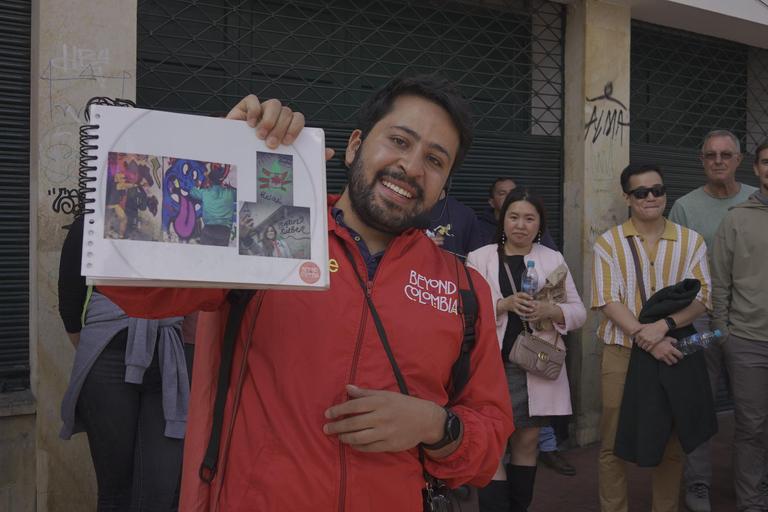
[683, 85]
[15, 29]
[325, 58]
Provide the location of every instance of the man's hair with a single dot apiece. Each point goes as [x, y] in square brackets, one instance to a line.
[493, 185]
[637, 168]
[759, 149]
[433, 87]
[722, 133]
[529, 194]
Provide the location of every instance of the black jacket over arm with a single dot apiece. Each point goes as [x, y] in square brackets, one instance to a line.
[658, 397]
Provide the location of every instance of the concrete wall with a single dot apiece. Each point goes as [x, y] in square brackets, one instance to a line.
[596, 151]
[80, 49]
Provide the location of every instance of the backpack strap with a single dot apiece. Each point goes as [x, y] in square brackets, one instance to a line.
[238, 300]
[469, 310]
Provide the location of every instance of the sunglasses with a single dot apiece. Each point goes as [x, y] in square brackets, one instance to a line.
[642, 192]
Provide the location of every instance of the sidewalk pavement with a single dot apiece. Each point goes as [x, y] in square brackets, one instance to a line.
[555, 492]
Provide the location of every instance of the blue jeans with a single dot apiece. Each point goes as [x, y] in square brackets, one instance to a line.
[547, 440]
[138, 469]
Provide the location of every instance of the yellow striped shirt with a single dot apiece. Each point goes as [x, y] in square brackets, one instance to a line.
[679, 254]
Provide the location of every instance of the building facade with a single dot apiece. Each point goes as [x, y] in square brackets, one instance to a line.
[563, 93]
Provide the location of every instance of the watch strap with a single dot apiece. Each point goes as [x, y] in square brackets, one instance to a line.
[451, 422]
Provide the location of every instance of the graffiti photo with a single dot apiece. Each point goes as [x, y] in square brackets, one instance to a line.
[172, 200]
[267, 229]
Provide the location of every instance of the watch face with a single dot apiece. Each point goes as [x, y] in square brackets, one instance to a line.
[453, 427]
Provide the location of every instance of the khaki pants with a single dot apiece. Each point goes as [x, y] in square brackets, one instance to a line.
[612, 471]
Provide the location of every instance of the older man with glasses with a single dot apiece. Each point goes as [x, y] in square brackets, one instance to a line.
[702, 210]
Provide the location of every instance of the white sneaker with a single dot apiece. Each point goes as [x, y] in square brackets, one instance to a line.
[697, 498]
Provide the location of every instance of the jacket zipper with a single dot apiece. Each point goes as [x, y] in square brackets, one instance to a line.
[355, 357]
[353, 372]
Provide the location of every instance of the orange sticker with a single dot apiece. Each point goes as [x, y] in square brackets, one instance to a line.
[309, 272]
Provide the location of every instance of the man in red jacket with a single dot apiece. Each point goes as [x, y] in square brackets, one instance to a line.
[314, 418]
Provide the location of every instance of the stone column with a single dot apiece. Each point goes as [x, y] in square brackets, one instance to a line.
[596, 150]
[80, 49]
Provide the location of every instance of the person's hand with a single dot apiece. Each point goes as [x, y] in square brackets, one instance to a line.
[541, 311]
[648, 335]
[274, 123]
[385, 421]
[246, 225]
[520, 304]
[666, 352]
[438, 239]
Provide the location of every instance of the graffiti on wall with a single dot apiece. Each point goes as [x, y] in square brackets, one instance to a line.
[609, 117]
[65, 200]
[78, 69]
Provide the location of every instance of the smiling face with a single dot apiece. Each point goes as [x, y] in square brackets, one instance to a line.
[521, 223]
[400, 169]
[720, 158]
[652, 207]
[271, 234]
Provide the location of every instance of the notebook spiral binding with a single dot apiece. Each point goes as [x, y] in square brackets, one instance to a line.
[86, 146]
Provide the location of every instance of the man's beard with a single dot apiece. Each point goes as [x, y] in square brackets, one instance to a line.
[390, 218]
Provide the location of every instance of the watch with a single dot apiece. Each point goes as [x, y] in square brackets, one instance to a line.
[670, 323]
[452, 432]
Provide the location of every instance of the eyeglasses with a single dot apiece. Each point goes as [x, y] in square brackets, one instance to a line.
[642, 192]
[712, 156]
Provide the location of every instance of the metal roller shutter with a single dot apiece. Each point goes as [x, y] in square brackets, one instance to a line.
[326, 57]
[15, 29]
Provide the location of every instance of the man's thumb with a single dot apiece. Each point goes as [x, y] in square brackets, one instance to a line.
[356, 392]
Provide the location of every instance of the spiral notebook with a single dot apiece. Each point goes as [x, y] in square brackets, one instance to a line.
[190, 201]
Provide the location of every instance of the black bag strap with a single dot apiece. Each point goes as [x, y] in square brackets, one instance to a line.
[638, 271]
[469, 309]
[460, 369]
[238, 300]
[379, 327]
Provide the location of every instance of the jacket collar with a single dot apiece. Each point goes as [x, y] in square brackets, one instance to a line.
[670, 233]
[341, 231]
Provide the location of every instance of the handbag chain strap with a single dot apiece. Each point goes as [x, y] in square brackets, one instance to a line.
[525, 324]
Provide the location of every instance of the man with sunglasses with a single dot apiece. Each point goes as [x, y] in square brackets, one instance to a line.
[702, 210]
[667, 254]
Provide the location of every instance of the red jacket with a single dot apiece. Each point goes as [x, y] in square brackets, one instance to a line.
[304, 348]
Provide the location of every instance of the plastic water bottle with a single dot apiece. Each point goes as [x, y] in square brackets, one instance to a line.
[698, 341]
[530, 280]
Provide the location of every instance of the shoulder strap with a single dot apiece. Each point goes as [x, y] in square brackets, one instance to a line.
[638, 270]
[469, 309]
[238, 300]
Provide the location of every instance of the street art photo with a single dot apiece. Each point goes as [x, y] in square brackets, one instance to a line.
[132, 198]
[173, 200]
[274, 231]
[199, 200]
[275, 181]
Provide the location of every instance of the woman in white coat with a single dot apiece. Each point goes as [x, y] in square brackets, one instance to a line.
[522, 222]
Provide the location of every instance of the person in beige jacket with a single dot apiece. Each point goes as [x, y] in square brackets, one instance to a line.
[740, 311]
